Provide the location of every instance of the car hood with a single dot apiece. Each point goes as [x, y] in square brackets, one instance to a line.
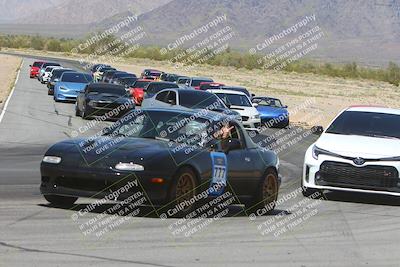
[72, 86]
[107, 98]
[359, 146]
[109, 151]
[245, 111]
[271, 111]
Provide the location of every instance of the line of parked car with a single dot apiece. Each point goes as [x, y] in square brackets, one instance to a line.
[155, 88]
[358, 152]
[174, 148]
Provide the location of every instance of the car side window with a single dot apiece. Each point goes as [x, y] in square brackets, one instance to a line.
[171, 98]
[162, 96]
[237, 134]
[132, 127]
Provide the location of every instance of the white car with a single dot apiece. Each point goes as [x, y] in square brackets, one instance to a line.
[48, 72]
[183, 99]
[240, 103]
[358, 152]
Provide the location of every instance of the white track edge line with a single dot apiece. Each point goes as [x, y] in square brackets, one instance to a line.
[11, 93]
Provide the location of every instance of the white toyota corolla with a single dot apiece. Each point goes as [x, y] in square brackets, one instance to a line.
[358, 152]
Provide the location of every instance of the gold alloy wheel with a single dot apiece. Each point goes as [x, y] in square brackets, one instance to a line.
[185, 188]
[270, 189]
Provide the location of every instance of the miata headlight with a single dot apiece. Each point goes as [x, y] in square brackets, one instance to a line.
[129, 167]
[52, 159]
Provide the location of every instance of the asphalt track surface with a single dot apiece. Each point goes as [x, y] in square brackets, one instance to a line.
[343, 230]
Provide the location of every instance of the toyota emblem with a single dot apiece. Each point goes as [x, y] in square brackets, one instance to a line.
[359, 161]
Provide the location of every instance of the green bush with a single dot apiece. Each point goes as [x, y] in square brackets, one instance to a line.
[228, 57]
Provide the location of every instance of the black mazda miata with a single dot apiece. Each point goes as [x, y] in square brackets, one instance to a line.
[172, 156]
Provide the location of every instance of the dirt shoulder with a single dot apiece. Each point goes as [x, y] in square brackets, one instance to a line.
[312, 99]
[8, 71]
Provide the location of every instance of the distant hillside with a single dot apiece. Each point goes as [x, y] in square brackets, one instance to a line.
[86, 12]
[354, 29]
[11, 10]
[360, 30]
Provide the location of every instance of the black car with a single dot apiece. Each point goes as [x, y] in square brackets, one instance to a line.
[179, 98]
[154, 87]
[99, 74]
[96, 67]
[120, 75]
[55, 78]
[108, 74]
[171, 156]
[127, 82]
[103, 99]
[169, 77]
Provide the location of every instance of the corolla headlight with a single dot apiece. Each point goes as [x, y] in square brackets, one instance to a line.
[255, 117]
[316, 151]
[52, 159]
[129, 167]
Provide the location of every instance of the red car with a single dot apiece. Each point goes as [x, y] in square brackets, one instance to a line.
[210, 85]
[151, 74]
[35, 67]
[137, 92]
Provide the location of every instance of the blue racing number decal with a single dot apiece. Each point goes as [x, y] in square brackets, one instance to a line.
[219, 173]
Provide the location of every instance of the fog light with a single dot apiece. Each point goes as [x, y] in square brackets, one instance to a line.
[307, 173]
[317, 176]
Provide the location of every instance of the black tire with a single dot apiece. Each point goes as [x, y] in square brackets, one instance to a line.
[61, 201]
[311, 192]
[77, 112]
[287, 124]
[84, 114]
[267, 193]
[183, 187]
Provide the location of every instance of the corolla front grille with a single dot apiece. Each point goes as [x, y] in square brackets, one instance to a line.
[373, 177]
[245, 118]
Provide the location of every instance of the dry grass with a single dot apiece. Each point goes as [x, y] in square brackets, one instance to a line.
[8, 71]
[330, 95]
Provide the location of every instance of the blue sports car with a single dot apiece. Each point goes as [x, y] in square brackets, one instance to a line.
[70, 84]
[272, 112]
